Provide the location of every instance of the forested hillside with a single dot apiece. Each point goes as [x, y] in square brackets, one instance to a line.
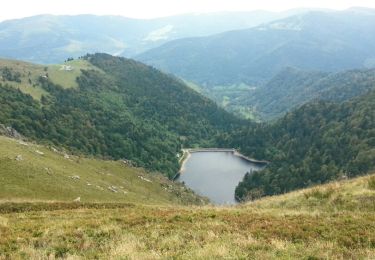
[292, 88]
[122, 109]
[319, 142]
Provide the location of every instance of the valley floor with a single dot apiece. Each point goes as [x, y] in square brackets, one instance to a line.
[331, 221]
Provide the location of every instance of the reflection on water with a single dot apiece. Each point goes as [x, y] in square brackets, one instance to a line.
[215, 174]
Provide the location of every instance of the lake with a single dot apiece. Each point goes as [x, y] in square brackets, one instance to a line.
[215, 174]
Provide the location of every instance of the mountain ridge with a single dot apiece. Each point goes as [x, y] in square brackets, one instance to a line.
[244, 56]
[51, 38]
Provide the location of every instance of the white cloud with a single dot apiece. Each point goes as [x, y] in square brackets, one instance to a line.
[154, 8]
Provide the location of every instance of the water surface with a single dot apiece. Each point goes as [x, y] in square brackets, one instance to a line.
[215, 174]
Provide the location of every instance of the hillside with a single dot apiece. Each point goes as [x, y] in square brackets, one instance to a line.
[32, 172]
[292, 88]
[316, 143]
[110, 106]
[51, 39]
[333, 221]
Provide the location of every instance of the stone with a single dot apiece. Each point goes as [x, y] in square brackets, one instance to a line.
[10, 132]
[144, 179]
[39, 152]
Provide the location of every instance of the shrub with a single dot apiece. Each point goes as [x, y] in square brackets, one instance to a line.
[371, 183]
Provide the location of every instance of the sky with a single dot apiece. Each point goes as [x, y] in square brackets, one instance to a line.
[158, 8]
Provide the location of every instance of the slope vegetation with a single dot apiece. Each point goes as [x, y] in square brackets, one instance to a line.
[333, 221]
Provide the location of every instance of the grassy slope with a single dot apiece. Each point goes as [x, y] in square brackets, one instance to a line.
[330, 221]
[51, 177]
[56, 74]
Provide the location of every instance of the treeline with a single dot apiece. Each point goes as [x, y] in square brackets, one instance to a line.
[131, 111]
[319, 142]
[7, 74]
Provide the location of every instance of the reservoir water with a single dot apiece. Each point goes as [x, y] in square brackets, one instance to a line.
[215, 174]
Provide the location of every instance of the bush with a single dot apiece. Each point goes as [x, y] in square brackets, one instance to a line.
[371, 183]
[320, 194]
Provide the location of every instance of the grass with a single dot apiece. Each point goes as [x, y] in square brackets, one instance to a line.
[44, 173]
[39, 220]
[30, 74]
[67, 79]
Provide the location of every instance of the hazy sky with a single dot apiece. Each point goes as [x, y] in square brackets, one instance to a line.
[157, 8]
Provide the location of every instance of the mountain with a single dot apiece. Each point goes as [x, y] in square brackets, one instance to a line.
[313, 41]
[319, 142]
[109, 106]
[52, 39]
[292, 88]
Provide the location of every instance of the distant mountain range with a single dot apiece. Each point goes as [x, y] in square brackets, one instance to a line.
[52, 39]
[318, 40]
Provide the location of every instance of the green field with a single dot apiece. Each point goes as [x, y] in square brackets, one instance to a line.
[64, 75]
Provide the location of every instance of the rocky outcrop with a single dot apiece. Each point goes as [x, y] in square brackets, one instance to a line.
[10, 132]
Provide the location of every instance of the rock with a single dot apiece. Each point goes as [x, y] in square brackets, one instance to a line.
[39, 152]
[128, 162]
[10, 132]
[66, 156]
[75, 177]
[48, 170]
[89, 184]
[113, 189]
[19, 158]
[54, 149]
[77, 199]
[143, 178]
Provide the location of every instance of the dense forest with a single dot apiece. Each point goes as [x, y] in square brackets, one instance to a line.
[319, 142]
[131, 111]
